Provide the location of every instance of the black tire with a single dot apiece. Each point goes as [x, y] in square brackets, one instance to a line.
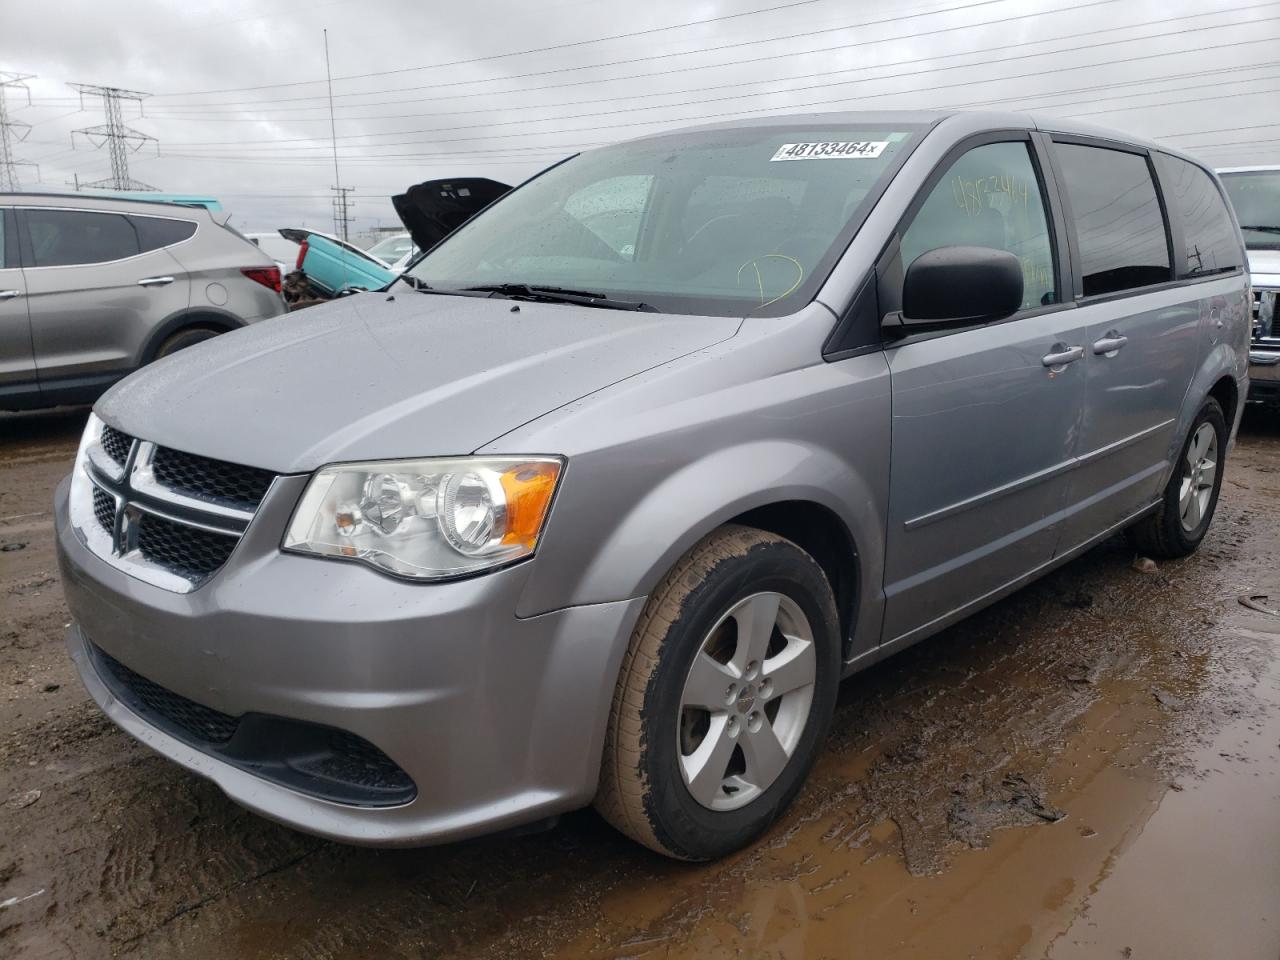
[642, 792]
[185, 338]
[1162, 534]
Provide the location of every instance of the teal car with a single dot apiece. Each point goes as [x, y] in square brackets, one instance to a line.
[333, 266]
[430, 212]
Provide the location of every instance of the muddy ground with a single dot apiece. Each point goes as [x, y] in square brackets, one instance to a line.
[1090, 769]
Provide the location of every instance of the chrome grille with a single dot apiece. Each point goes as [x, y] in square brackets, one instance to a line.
[165, 516]
[1264, 317]
[116, 444]
[188, 551]
[211, 479]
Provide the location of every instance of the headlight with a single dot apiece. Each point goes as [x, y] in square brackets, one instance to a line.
[426, 519]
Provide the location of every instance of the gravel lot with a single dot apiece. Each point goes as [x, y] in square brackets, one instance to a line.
[1091, 768]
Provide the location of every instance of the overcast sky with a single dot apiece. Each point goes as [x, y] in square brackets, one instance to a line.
[501, 88]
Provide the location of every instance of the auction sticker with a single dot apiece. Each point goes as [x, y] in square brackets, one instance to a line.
[831, 150]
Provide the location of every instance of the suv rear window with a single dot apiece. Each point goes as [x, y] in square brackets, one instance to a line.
[1208, 235]
[1120, 230]
[61, 238]
[157, 232]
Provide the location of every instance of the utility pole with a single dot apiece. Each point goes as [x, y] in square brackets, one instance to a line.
[12, 131]
[119, 139]
[342, 211]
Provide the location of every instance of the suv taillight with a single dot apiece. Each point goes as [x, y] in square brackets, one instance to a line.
[302, 255]
[267, 276]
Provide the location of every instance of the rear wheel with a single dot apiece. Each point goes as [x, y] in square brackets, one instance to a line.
[185, 338]
[1191, 495]
[724, 698]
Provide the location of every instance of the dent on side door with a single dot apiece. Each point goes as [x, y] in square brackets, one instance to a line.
[983, 437]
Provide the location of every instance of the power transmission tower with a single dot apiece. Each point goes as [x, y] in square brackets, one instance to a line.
[119, 139]
[12, 131]
[342, 211]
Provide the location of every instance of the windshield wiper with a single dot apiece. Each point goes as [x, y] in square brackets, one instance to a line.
[1261, 229]
[422, 287]
[586, 298]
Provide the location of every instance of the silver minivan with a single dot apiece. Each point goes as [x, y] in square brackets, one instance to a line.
[92, 288]
[600, 501]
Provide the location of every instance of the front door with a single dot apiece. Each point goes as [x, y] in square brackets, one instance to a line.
[984, 418]
[17, 363]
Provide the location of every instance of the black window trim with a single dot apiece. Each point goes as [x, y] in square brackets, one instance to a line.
[27, 252]
[1153, 170]
[12, 256]
[890, 271]
[152, 216]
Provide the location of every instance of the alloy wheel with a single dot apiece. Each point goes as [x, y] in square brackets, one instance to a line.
[746, 701]
[1199, 473]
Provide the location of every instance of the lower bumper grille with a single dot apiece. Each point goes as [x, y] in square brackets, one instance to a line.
[317, 760]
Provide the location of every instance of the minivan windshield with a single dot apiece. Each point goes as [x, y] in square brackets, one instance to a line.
[1255, 194]
[719, 222]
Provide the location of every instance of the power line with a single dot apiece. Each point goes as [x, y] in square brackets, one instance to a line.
[276, 143]
[793, 106]
[489, 58]
[12, 131]
[119, 139]
[916, 34]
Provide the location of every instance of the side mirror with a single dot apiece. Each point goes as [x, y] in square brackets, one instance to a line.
[954, 286]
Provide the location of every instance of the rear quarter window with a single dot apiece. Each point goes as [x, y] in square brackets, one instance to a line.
[1209, 242]
[157, 232]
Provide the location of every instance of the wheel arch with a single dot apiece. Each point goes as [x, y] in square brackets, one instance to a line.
[820, 532]
[1216, 377]
[185, 320]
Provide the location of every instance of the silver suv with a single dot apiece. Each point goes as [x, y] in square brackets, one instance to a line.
[1255, 194]
[91, 288]
[602, 499]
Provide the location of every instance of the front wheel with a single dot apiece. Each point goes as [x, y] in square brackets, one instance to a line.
[725, 696]
[1191, 495]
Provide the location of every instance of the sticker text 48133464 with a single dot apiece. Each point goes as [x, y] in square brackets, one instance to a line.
[831, 150]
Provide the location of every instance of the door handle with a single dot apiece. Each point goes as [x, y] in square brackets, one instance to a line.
[9, 294]
[1110, 343]
[155, 281]
[1060, 355]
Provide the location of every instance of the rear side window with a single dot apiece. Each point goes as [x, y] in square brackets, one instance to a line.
[990, 197]
[1209, 237]
[61, 238]
[1120, 230]
[8, 251]
[157, 232]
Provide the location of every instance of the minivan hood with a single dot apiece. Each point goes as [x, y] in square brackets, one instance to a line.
[373, 376]
[1265, 263]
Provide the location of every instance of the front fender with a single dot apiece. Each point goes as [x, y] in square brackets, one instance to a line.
[628, 509]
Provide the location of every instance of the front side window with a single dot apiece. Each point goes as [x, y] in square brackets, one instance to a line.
[1209, 238]
[61, 238]
[723, 222]
[1255, 194]
[1120, 230]
[990, 197]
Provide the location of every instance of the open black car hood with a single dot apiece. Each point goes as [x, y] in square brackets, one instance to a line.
[434, 209]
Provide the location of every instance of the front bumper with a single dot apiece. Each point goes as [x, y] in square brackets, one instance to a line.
[499, 721]
[1264, 375]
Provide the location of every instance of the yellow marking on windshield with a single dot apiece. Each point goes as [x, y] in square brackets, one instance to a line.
[755, 264]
